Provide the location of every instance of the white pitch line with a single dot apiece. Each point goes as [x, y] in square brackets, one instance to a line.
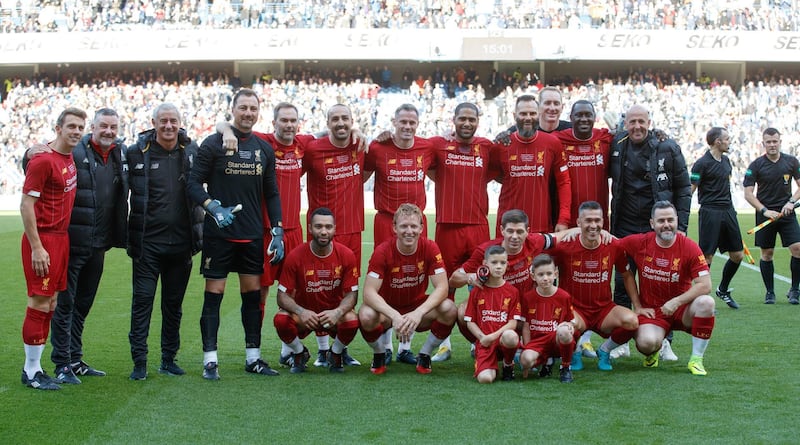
[755, 267]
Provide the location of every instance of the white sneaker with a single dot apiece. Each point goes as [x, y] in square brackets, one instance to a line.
[621, 351]
[666, 352]
[442, 354]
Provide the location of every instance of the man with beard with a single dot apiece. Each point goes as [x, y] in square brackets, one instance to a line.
[674, 283]
[527, 165]
[317, 291]
[717, 223]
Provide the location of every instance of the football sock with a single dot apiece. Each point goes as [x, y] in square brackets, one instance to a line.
[699, 346]
[338, 346]
[794, 266]
[768, 274]
[386, 339]
[33, 359]
[296, 346]
[727, 274]
[608, 345]
[405, 345]
[252, 354]
[251, 319]
[586, 337]
[285, 350]
[323, 342]
[209, 321]
[431, 343]
[210, 356]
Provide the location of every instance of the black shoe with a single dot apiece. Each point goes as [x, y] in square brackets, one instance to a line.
[261, 367]
[286, 361]
[769, 298]
[171, 368]
[83, 369]
[565, 375]
[348, 360]
[322, 358]
[546, 370]
[793, 296]
[64, 374]
[299, 361]
[378, 363]
[336, 362]
[139, 372]
[40, 380]
[726, 297]
[211, 371]
[423, 363]
[508, 373]
[388, 357]
[407, 357]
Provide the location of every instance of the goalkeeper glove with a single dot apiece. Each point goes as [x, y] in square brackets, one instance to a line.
[275, 248]
[223, 216]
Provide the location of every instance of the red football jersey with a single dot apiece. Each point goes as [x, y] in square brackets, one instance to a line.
[405, 277]
[588, 169]
[52, 178]
[517, 271]
[527, 169]
[319, 284]
[335, 180]
[664, 273]
[544, 314]
[492, 307]
[399, 173]
[587, 274]
[288, 170]
[461, 173]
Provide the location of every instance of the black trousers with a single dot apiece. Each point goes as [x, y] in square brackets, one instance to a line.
[174, 268]
[73, 306]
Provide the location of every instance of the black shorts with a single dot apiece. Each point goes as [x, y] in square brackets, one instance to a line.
[221, 257]
[786, 226]
[719, 228]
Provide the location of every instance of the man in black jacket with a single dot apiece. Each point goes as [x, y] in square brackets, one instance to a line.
[644, 170]
[98, 223]
[164, 231]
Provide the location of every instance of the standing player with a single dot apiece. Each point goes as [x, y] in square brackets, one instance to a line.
[318, 290]
[492, 316]
[461, 173]
[586, 266]
[527, 165]
[47, 199]
[394, 291]
[772, 174]
[717, 223]
[399, 164]
[674, 284]
[551, 106]
[164, 231]
[242, 181]
[548, 330]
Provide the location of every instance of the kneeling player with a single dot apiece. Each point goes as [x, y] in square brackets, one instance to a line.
[674, 287]
[493, 316]
[394, 291]
[317, 291]
[548, 330]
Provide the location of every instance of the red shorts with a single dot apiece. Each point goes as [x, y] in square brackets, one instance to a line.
[272, 272]
[487, 358]
[545, 344]
[668, 323]
[383, 227]
[57, 246]
[353, 242]
[458, 241]
[594, 318]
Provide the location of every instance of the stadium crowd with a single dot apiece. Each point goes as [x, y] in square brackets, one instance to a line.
[19, 16]
[681, 107]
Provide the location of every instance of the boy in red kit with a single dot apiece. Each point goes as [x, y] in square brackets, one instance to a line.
[548, 331]
[47, 199]
[492, 316]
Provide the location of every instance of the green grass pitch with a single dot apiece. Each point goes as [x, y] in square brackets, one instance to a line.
[750, 395]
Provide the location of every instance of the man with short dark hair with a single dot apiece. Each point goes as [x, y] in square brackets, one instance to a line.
[774, 199]
[237, 185]
[47, 199]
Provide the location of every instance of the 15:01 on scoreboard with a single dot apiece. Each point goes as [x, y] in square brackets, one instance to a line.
[497, 49]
